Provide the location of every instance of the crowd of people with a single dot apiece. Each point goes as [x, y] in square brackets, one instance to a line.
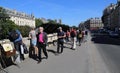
[74, 36]
[38, 42]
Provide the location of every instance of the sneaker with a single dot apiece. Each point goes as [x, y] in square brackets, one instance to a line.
[56, 54]
[73, 48]
[46, 57]
[38, 62]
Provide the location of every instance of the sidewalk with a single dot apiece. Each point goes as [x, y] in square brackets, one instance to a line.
[85, 59]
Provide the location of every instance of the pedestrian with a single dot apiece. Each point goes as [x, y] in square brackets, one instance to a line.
[67, 36]
[33, 38]
[16, 38]
[73, 38]
[60, 41]
[42, 43]
[79, 37]
[85, 36]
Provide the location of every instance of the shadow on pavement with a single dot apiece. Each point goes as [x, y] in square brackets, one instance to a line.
[6, 62]
[68, 48]
[52, 51]
[68, 43]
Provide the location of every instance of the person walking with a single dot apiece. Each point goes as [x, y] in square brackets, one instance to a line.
[60, 41]
[33, 38]
[83, 34]
[67, 36]
[73, 38]
[86, 35]
[77, 40]
[42, 43]
[79, 37]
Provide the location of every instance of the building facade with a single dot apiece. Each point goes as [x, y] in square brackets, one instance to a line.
[93, 23]
[81, 26]
[20, 18]
[106, 18]
[115, 19]
[111, 17]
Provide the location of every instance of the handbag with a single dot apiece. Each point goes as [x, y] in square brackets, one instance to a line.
[24, 49]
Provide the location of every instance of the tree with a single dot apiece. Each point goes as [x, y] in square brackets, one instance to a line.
[52, 28]
[75, 27]
[6, 27]
[52, 21]
[3, 15]
[38, 22]
[24, 30]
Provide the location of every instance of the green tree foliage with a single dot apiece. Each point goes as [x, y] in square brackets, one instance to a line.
[38, 22]
[52, 21]
[3, 15]
[52, 28]
[6, 27]
[75, 27]
[24, 30]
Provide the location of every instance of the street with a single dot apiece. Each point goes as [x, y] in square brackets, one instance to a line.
[91, 57]
[109, 49]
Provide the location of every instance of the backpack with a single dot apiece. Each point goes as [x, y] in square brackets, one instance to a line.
[86, 33]
[73, 34]
[13, 35]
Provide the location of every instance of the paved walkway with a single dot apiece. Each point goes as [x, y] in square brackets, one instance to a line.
[85, 59]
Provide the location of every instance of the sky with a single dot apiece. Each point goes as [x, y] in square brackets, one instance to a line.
[71, 12]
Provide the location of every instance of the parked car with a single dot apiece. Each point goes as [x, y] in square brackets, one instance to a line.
[103, 32]
[113, 34]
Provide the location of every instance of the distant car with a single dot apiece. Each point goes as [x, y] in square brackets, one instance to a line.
[103, 32]
[113, 34]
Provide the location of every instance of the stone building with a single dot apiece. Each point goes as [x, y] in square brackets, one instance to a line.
[111, 17]
[20, 18]
[93, 23]
[106, 18]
